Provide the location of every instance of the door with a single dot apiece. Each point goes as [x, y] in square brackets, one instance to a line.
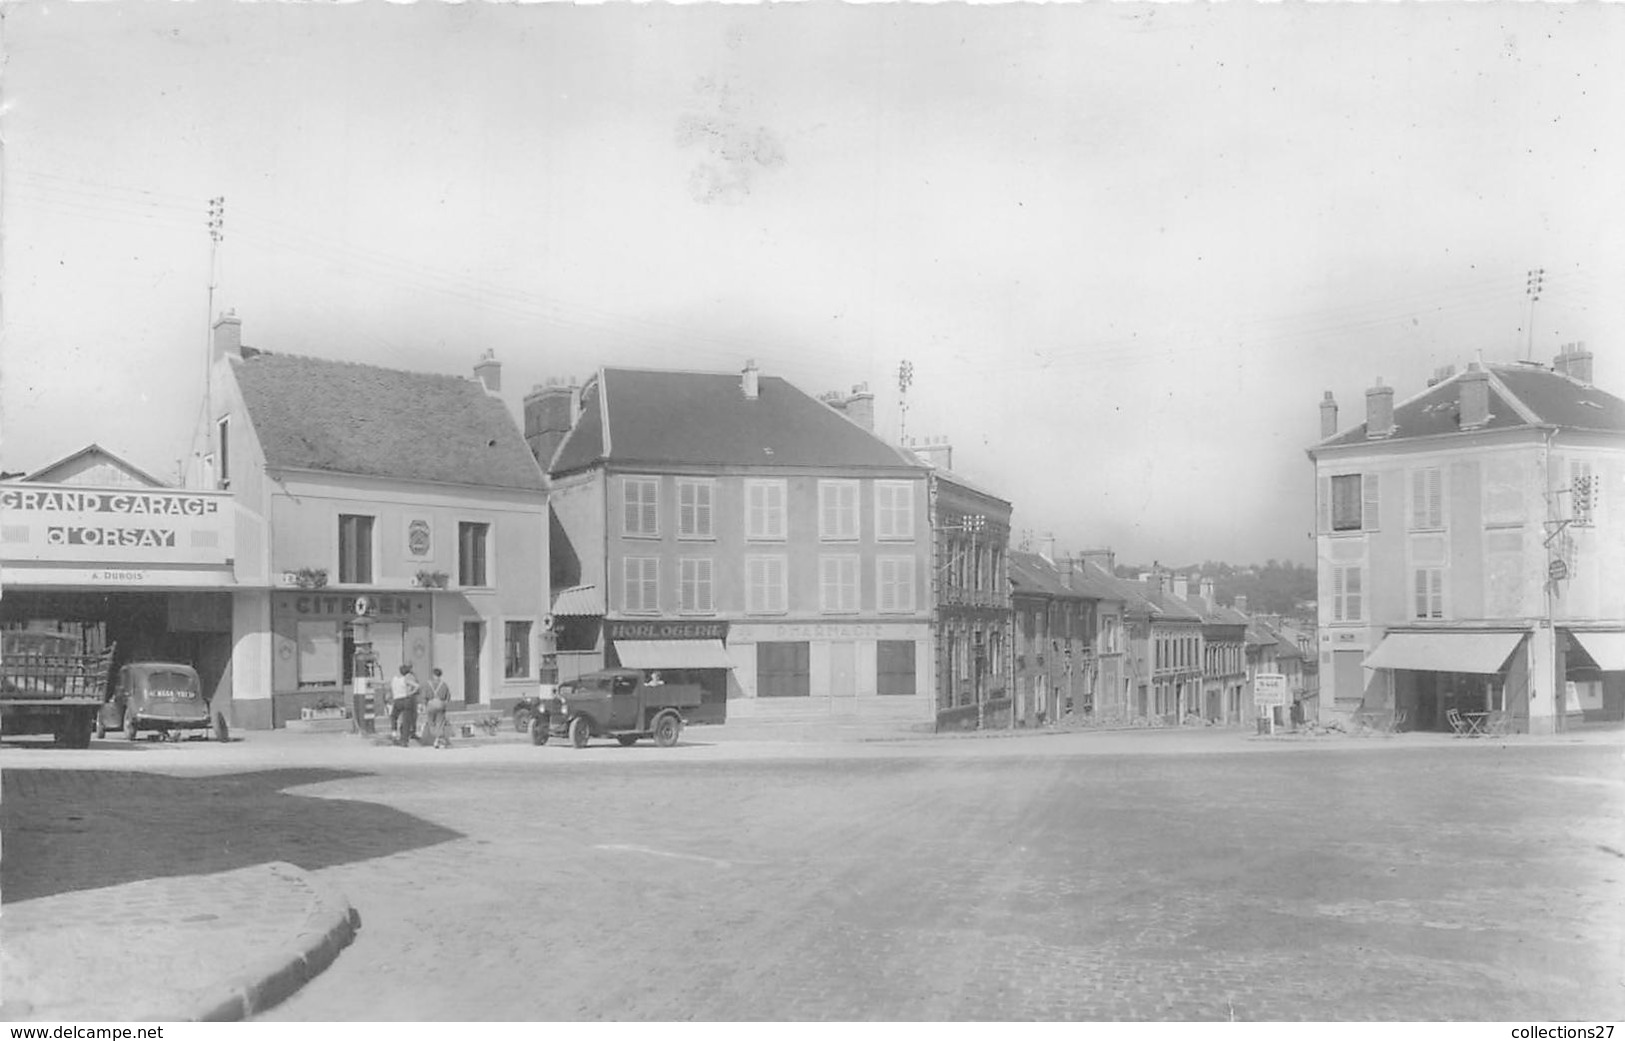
[843, 669]
[473, 645]
[623, 703]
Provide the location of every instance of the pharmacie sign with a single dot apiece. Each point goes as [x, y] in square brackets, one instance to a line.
[56, 523]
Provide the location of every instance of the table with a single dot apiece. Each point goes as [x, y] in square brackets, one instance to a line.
[1475, 722]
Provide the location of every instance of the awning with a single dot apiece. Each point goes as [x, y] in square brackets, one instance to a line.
[1606, 649]
[673, 654]
[1444, 651]
[578, 601]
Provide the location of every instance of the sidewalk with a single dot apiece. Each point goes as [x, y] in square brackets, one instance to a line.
[227, 945]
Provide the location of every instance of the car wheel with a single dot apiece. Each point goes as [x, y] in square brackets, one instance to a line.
[130, 731]
[580, 731]
[668, 728]
[539, 730]
[627, 740]
[522, 718]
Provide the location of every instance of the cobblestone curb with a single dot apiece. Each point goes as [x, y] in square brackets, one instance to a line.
[329, 926]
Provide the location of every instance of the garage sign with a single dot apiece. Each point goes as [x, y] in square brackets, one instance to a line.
[117, 529]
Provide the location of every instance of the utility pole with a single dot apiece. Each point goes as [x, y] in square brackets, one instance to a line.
[217, 232]
[905, 378]
[1531, 288]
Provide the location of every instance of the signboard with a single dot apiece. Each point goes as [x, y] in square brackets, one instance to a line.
[1558, 569]
[1269, 690]
[65, 523]
[419, 538]
[662, 630]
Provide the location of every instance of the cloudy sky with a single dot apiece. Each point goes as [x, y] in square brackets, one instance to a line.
[1125, 247]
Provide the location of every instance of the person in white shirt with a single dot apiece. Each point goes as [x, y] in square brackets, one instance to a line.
[403, 707]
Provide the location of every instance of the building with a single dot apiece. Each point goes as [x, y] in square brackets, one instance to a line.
[1165, 648]
[1107, 696]
[1226, 693]
[1054, 629]
[1471, 548]
[370, 506]
[731, 529]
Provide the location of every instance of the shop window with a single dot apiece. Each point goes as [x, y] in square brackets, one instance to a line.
[319, 654]
[764, 509]
[695, 585]
[894, 509]
[642, 585]
[895, 582]
[783, 669]
[765, 586]
[472, 542]
[894, 661]
[641, 505]
[838, 585]
[694, 509]
[355, 549]
[516, 655]
[838, 510]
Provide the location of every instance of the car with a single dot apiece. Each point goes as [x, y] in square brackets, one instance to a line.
[162, 697]
[616, 703]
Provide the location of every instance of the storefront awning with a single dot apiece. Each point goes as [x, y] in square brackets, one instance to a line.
[1606, 649]
[673, 654]
[579, 601]
[1444, 651]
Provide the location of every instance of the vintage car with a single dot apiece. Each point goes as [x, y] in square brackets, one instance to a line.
[618, 703]
[156, 697]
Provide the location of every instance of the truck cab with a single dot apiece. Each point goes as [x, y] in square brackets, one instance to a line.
[618, 703]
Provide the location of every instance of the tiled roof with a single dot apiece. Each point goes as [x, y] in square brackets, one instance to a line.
[310, 413]
[1090, 580]
[1516, 392]
[1167, 606]
[651, 416]
[1032, 575]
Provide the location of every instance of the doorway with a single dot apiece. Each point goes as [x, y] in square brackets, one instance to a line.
[473, 646]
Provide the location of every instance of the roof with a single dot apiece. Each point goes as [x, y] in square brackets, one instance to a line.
[634, 417]
[1520, 396]
[1160, 605]
[1032, 575]
[1089, 579]
[314, 414]
[78, 461]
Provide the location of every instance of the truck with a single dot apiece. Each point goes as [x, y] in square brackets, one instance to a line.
[50, 685]
[618, 703]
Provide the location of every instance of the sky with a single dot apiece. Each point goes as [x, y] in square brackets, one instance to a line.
[1125, 247]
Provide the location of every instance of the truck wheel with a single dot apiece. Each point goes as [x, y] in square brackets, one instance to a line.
[580, 731]
[668, 728]
[627, 740]
[130, 731]
[522, 718]
[76, 730]
[539, 730]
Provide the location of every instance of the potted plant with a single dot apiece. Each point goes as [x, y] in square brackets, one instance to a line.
[310, 577]
[432, 579]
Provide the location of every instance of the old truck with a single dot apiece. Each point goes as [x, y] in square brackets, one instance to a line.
[50, 685]
[618, 703]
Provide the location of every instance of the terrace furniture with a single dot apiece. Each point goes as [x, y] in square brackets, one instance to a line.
[1457, 723]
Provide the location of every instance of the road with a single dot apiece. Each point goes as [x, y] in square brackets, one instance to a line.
[1079, 877]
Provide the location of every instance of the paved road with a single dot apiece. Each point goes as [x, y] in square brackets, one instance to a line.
[1078, 877]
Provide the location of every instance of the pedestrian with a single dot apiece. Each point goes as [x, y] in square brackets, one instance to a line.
[438, 694]
[403, 708]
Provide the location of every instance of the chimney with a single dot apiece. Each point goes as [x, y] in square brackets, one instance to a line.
[1475, 397]
[1064, 565]
[551, 411]
[1241, 602]
[228, 335]
[1046, 547]
[1207, 592]
[1441, 374]
[1105, 559]
[1379, 410]
[937, 453]
[1181, 586]
[489, 372]
[1574, 361]
[750, 381]
[860, 407]
[1156, 579]
[1328, 416]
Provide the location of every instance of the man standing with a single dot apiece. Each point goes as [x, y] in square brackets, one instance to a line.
[403, 709]
[439, 695]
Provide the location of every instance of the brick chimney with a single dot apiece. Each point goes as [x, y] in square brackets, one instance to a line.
[1105, 559]
[489, 372]
[750, 381]
[1241, 602]
[860, 407]
[1207, 592]
[228, 336]
[937, 453]
[1574, 361]
[551, 411]
[1064, 565]
[1181, 586]
[1379, 410]
[1046, 547]
[1328, 416]
[1474, 387]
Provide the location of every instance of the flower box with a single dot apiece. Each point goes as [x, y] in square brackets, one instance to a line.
[308, 712]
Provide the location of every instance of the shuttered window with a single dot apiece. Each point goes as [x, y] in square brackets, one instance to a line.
[642, 505]
[642, 585]
[765, 585]
[1428, 589]
[838, 510]
[1427, 499]
[694, 509]
[764, 510]
[894, 583]
[1350, 502]
[1347, 593]
[694, 585]
[838, 585]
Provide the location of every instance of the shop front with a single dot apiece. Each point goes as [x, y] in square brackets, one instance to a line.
[1595, 675]
[1436, 675]
[322, 642]
[876, 670]
[676, 651]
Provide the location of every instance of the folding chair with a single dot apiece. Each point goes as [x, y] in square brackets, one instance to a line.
[1457, 724]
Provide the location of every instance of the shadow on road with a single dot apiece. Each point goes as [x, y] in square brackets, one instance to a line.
[69, 830]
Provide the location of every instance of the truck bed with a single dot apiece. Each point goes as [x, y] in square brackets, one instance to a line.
[45, 678]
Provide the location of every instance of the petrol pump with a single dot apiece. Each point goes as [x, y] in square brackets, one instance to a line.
[365, 675]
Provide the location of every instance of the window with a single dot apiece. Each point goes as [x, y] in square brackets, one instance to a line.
[1427, 498]
[783, 669]
[894, 509]
[694, 509]
[838, 585]
[641, 585]
[894, 662]
[224, 427]
[838, 510]
[319, 654]
[1429, 590]
[1349, 502]
[694, 585]
[516, 655]
[355, 549]
[895, 582]
[1347, 582]
[640, 513]
[765, 585]
[764, 509]
[471, 546]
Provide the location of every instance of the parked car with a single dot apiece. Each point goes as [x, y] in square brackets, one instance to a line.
[616, 703]
[158, 697]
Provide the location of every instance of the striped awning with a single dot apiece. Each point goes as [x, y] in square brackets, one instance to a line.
[1444, 651]
[673, 654]
[1606, 649]
[578, 601]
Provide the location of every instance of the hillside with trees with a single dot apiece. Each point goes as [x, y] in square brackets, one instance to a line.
[1274, 587]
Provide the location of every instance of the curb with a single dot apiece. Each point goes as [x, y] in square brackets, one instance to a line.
[328, 928]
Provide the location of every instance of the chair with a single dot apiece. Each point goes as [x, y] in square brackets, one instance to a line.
[1457, 724]
[1400, 719]
[1499, 724]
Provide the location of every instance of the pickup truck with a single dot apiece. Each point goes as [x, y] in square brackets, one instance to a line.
[616, 703]
[48, 685]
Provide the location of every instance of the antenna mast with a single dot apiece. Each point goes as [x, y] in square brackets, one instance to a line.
[1531, 288]
[905, 377]
[217, 231]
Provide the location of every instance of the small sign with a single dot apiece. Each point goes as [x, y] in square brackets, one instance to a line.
[1269, 689]
[1558, 569]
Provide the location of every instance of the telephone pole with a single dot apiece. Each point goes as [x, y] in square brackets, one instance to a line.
[1531, 288]
[217, 232]
[905, 378]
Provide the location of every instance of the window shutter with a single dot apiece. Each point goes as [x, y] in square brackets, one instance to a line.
[1435, 513]
[1369, 505]
[1325, 512]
